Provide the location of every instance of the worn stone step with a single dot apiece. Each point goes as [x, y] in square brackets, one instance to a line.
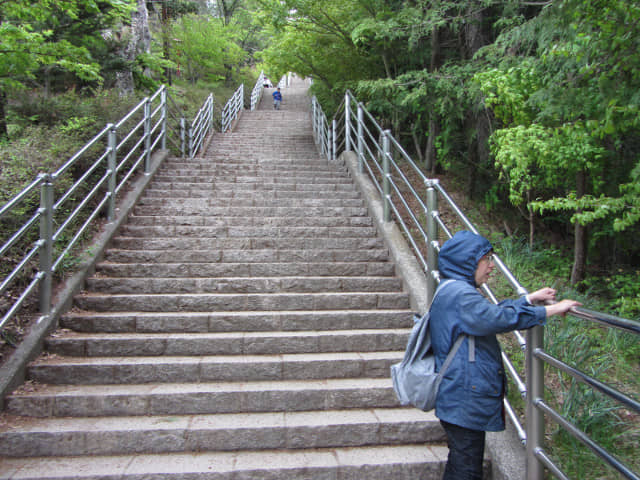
[194, 322]
[352, 463]
[251, 211]
[185, 251]
[250, 201]
[123, 370]
[206, 302]
[130, 230]
[220, 269]
[248, 221]
[41, 400]
[213, 192]
[234, 285]
[290, 245]
[222, 432]
[75, 344]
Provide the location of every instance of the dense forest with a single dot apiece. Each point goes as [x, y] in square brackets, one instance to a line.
[531, 105]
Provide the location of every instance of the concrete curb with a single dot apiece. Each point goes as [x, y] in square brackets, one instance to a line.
[505, 447]
[12, 373]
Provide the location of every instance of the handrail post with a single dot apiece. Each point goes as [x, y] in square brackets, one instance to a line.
[190, 133]
[46, 240]
[360, 139]
[347, 122]
[147, 136]
[183, 129]
[432, 237]
[165, 111]
[535, 391]
[386, 167]
[333, 139]
[211, 112]
[113, 167]
[314, 117]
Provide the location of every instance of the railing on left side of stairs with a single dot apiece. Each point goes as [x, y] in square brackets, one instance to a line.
[414, 208]
[44, 224]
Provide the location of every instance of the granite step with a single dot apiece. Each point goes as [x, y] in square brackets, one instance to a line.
[76, 344]
[39, 437]
[46, 400]
[54, 369]
[239, 284]
[216, 322]
[352, 463]
[220, 269]
[224, 302]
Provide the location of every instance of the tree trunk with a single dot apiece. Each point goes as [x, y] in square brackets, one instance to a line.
[580, 234]
[139, 41]
[4, 133]
[430, 150]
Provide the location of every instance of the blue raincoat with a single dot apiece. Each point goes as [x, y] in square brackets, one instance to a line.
[471, 392]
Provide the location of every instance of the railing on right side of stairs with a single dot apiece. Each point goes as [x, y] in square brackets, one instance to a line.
[415, 211]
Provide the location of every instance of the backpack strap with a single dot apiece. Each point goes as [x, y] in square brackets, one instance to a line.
[456, 345]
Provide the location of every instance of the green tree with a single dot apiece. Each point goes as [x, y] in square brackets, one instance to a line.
[204, 46]
[27, 45]
[565, 92]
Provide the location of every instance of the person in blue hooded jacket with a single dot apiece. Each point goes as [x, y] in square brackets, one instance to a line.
[470, 397]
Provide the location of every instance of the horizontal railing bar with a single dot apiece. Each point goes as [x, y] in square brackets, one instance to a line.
[80, 181]
[586, 440]
[126, 158]
[547, 462]
[80, 152]
[18, 235]
[18, 303]
[16, 270]
[131, 171]
[131, 113]
[515, 421]
[133, 131]
[76, 211]
[28, 190]
[79, 233]
[586, 379]
[608, 320]
[522, 388]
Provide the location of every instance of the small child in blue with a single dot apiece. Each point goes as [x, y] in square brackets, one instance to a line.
[277, 99]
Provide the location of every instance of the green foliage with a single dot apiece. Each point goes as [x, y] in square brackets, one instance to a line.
[204, 46]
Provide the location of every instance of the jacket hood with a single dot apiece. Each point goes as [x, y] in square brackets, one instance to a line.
[459, 256]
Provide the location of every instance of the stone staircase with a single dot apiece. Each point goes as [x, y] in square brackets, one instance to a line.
[241, 326]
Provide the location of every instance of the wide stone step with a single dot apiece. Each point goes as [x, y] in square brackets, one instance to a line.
[248, 221]
[232, 343]
[250, 211]
[352, 463]
[302, 269]
[222, 368]
[222, 432]
[213, 192]
[235, 285]
[195, 322]
[246, 232]
[40, 400]
[183, 251]
[253, 201]
[207, 302]
[231, 174]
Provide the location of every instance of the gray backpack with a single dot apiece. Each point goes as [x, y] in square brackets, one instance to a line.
[415, 380]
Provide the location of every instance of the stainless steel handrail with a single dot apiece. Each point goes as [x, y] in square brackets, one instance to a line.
[111, 165]
[376, 157]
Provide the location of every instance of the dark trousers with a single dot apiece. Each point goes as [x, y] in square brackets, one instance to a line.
[466, 453]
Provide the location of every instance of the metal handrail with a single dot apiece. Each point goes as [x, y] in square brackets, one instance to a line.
[256, 93]
[232, 108]
[352, 127]
[112, 165]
